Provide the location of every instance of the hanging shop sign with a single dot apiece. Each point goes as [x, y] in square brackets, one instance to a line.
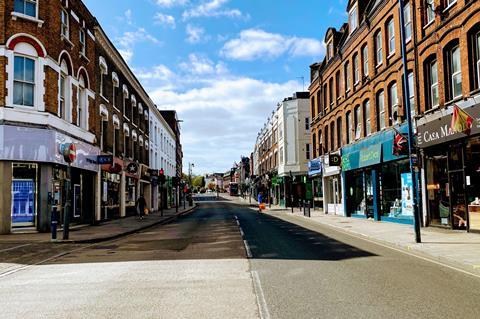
[407, 194]
[334, 160]
[438, 131]
[132, 168]
[69, 152]
[315, 167]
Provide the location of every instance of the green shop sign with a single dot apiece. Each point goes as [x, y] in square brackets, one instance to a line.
[350, 161]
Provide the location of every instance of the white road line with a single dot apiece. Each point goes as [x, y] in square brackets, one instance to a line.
[238, 223]
[12, 248]
[236, 217]
[242, 233]
[247, 248]
[262, 304]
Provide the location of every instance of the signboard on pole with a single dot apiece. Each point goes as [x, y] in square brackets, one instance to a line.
[407, 194]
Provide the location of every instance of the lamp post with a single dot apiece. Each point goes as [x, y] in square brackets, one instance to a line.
[411, 142]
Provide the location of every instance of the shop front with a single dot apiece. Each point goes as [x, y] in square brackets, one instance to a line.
[111, 189]
[315, 168]
[132, 177]
[34, 178]
[145, 185]
[378, 184]
[451, 170]
[332, 186]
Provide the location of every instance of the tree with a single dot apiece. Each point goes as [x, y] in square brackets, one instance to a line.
[198, 181]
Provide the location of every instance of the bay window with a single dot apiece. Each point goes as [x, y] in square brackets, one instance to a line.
[24, 81]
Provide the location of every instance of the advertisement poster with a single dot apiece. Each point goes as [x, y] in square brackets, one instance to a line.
[23, 196]
[407, 195]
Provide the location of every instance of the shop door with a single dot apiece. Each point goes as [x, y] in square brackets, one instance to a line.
[457, 200]
[23, 202]
[336, 193]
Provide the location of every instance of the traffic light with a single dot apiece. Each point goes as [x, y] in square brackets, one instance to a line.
[161, 176]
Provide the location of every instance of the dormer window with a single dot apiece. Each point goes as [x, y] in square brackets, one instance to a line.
[353, 18]
[330, 49]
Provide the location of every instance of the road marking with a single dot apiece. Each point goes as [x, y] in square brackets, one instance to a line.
[238, 224]
[262, 303]
[242, 233]
[12, 248]
[247, 248]
[236, 218]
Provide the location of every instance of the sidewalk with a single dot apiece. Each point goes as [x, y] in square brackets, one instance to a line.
[102, 232]
[455, 248]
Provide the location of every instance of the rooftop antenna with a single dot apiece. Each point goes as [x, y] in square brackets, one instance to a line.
[303, 82]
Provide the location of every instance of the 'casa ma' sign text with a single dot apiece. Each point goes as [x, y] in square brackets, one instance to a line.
[438, 131]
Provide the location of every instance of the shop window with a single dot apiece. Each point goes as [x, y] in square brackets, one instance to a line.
[438, 191]
[473, 182]
[408, 22]
[26, 7]
[339, 132]
[24, 81]
[378, 48]
[365, 59]
[380, 111]
[391, 36]
[453, 83]
[397, 195]
[24, 194]
[367, 118]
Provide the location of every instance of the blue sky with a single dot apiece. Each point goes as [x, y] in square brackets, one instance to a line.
[222, 64]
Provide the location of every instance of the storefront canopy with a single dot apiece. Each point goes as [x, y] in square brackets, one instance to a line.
[372, 150]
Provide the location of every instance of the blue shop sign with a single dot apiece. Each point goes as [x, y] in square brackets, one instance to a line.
[370, 151]
[315, 167]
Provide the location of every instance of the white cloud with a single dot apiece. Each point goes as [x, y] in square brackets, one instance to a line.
[127, 41]
[171, 3]
[212, 8]
[128, 17]
[258, 44]
[199, 65]
[159, 72]
[224, 113]
[165, 20]
[194, 33]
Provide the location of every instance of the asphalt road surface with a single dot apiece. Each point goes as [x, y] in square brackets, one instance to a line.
[198, 267]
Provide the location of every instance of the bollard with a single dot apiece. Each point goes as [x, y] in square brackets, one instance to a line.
[308, 209]
[54, 223]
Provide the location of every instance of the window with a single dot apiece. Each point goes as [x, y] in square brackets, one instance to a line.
[104, 134]
[26, 7]
[24, 81]
[475, 59]
[347, 77]
[65, 24]
[326, 139]
[281, 155]
[450, 3]
[314, 144]
[454, 88]
[307, 151]
[380, 111]
[365, 59]
[391, 36]
[82, 105]
[83, 42]
[330, 91]
[366, 118]
[358, 122]
[62, 112]
[353, 18]
[329, 50]
[337, 85]
[349, 127]
[312, 106]
[356, 71]
[339, 132]
[430, 12]
[393, 104]
[411, 91]
[407, 22]
[332, 136]
[378, 47]
[116, 140]
[325, 101]
[307, 124]
[431, 75]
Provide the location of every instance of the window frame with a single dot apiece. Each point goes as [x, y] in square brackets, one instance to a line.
[365, 60]
[407, 21]
[65, 25]
[378, 48]
[380, 101]
[353, 18]
[391, 47]
[24, 82]
[24, 13]
[393, 103]
[433, 69]
[367, 118]
[348, 79]
[83, 45]
[455, 74]
[356, 70]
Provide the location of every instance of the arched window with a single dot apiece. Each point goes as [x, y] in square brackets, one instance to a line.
[339, 132]
[365, 59]
[380, 110]
[64, 105]
[474, 57]
[356, 69]
[378, 47]
[391, 36]
[453, 70]
[82, 109]
[357, 118]
[430, 68]
[367, 118]
[393, 108]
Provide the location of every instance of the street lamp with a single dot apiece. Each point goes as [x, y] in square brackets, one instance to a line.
[190, 167]
[408, 107]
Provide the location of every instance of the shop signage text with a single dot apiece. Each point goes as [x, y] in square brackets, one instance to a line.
[334, 160]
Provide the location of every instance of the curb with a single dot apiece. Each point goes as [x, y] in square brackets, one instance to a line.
[129, 232]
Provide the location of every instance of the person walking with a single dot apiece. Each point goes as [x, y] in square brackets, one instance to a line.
[260, 201]
[141, 203]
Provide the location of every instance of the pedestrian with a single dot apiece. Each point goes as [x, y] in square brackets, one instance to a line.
[260, 200]
[141, 203]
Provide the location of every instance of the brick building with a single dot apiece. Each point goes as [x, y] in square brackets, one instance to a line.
[62, 82]
[358, 105]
